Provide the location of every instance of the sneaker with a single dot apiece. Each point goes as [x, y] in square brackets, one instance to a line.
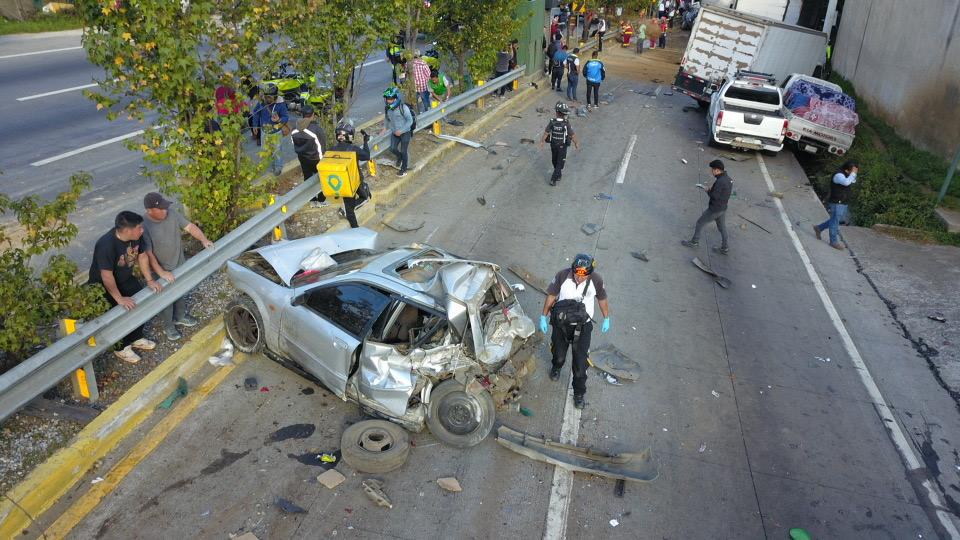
[554, 373]
[838, 245]
[816, 232]
[579, 402]
[401, 174]
[721, 250]
[127, 355]
[144, 344]
[690, 243]
[553, 181]
[398, 163]
[172, 333]
[186, 321]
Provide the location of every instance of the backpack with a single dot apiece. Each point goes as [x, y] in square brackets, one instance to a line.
[559, 130]
[571, 314]
[572, 64]
[413, 126]
[558, 60]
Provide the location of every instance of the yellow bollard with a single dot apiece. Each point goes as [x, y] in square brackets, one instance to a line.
[516, 84]
[480, 101]
[84, 379]
[372, 167]
[436, 125]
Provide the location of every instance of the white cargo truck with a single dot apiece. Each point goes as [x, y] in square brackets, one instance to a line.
[723, 42]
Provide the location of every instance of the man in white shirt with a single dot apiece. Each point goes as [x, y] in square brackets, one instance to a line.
[570, 308]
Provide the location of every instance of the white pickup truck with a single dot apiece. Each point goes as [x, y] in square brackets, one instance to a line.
[825, 124]
[747, 112]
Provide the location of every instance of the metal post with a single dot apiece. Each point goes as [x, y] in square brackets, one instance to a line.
[84, 379]
[946, 181]
[436, 125]
[480, 101]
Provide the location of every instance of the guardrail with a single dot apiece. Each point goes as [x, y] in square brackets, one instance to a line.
[48, 367]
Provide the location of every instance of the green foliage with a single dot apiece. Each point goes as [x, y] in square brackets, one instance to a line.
[40, 23]
[33, 301]
[164, 59]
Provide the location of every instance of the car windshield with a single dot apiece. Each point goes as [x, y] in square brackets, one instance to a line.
[756, 95]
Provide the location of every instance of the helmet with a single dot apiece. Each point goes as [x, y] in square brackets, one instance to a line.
[562, 108]
[344, 131]
[271, 90]
[307, 110]
[583, 264]
[392, 93]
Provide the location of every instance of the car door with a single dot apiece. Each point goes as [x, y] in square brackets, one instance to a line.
[324, 327]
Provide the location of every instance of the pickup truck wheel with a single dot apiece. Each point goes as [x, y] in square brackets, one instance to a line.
[712, 142]
[457, 417]
[374, 446]
[244, 325]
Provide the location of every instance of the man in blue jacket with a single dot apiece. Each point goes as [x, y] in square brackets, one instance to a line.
[399, 121]
[269, 120]
[594, 73]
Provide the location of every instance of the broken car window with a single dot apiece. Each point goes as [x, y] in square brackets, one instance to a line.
[412, 327]
[351, 306]
[420, 273]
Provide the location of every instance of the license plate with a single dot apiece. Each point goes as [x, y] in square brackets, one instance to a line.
[810, 148]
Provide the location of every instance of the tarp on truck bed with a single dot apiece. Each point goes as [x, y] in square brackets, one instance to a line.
[822, 105]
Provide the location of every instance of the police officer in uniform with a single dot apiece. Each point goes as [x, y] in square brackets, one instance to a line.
[569, 309]
[559, 134]
[344, 134]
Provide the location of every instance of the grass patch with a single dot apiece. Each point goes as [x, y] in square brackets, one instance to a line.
[897, 184]
[40, 23]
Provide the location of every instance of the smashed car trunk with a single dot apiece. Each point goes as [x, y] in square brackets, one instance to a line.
[638, 467]
[287, 258]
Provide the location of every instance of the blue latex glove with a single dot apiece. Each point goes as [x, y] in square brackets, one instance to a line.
[544, 324]
[605, 327]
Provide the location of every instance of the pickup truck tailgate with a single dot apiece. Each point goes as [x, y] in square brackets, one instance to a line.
[766, 126]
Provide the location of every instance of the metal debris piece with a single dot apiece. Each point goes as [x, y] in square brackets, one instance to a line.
[331, 478]
[715, 393]
[404, 225]
[527, 141]
[250, 383]
[482, 201]
[603, 197]
[720, 280]
[613, 361]
[937, 317]
[504, 143]
[450, 484]
[683, 161]
[591, 229]
[703, 448]
[614, 523]
[288, 507]
[642, 255]
[529, 278]
[637, 467]
[619, 487]
[613, 380]
[755, 223]
[374, 490]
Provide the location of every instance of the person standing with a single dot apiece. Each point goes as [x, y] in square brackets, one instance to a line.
[641, 36]
[556, 69]
[164, 245]
[502, 67]
[309, 142]
[594, 73]
[559, 134]
[663, 33]
[114, 256]
[344, 133]
[569, 310]
[573, 74]
[719, 194]
[553, 47]
[421, 74]
[399, 122]
[269, 121]
[395, 57]
[838, 200]
[600, 31]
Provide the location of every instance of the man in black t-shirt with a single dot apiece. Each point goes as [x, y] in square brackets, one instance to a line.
[114, 257]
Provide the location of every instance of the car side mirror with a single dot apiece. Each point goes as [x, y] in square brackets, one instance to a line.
[298, 300]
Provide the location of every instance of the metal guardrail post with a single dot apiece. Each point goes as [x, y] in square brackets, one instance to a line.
[480, 102]
[83, 380]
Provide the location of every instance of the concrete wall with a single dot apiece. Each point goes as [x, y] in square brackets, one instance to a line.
[904, 60]
[17, 9]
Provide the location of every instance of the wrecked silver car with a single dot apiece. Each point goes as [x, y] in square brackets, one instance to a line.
[413, 334]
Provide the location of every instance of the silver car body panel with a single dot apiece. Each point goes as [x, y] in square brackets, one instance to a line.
[287, 257]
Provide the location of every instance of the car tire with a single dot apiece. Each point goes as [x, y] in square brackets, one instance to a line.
[374, 446]
[459, 418]
[244, 325]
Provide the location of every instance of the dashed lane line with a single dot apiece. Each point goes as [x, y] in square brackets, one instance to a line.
[18, 55]
[86, 148]
[55, 92]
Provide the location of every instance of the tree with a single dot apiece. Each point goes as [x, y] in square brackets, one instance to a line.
[32, 300]
[164, 60]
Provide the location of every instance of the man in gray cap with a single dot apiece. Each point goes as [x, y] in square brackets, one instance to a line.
[163, 228]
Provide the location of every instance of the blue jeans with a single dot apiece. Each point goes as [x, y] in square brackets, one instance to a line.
[572, 87]
[398, 147]
[838, 213]
[423, 101]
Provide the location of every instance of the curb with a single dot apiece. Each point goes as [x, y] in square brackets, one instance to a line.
[53, 478]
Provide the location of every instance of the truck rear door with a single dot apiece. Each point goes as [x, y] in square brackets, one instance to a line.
[721, 44]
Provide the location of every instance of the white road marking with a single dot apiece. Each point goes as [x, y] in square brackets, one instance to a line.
[55, 92]
[626, 159]
[86, 148]
[559, 506]
[40, 52]
[880, 404]
[372, 62]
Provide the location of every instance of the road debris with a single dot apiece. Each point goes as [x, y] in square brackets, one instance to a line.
[331, 478]
[454, 122]
[715, 393]
[612, 380]
[224, 356]
[250, 383]
[528, 278]
[937, 317]
[317, 459]
[777, 194]
[619, 488]
[717, 278]
[614, 523]
[603, 197]
[178, 393]
[683, 161]
[97, 480]
[542, 110]
[591, 229]
[527, 141]
[761, 227]
[288, 507]
[822, 359]
[703, 448]
[264, 388]
[612, 361]
[450, 484]
[293, 431]
[482, 201]
[582, 112]
[402, 225]
[734, 157]
[374, 490]
[522, 410]
[642, 255]
[467, 142]
[637, 467]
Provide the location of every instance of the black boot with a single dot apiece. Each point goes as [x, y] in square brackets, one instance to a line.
[555, 373]
[579, 402]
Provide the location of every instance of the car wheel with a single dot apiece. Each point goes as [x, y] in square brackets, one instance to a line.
[374, 446]
[457, 417]
[244, 324]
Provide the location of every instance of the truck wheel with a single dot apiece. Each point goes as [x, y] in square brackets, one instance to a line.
[374, 446]
[244, 324]
[459, 418]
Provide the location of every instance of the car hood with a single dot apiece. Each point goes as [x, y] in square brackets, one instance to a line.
[287, 258]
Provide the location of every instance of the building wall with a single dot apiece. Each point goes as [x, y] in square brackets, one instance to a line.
[904, 60]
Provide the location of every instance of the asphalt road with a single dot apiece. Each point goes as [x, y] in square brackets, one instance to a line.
[760, 415]
[52, 131]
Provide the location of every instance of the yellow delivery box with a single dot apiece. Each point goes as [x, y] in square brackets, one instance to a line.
[339, 174]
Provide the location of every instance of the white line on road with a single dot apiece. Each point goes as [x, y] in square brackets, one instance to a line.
[86, 148]
[626, 159]
[55, 92]
[559, 506]
[880, 404]
[40, 52]
[372, 62]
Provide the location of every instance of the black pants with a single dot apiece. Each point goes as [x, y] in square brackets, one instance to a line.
[560, 340]
[556, 76]
[600, 41]
[503, 89]
[398, 147]
[718, 216]
[558, 156]
[595, 88]
[309, 168]
[350, 205]
[129, 287]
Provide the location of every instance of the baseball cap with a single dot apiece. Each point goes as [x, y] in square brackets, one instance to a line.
[155, 200]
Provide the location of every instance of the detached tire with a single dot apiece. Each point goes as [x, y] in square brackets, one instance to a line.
[374, 446]
[458, 418]
[244, 325]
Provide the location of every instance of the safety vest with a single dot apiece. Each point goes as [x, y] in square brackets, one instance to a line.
[593, 71]
[559, 128]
